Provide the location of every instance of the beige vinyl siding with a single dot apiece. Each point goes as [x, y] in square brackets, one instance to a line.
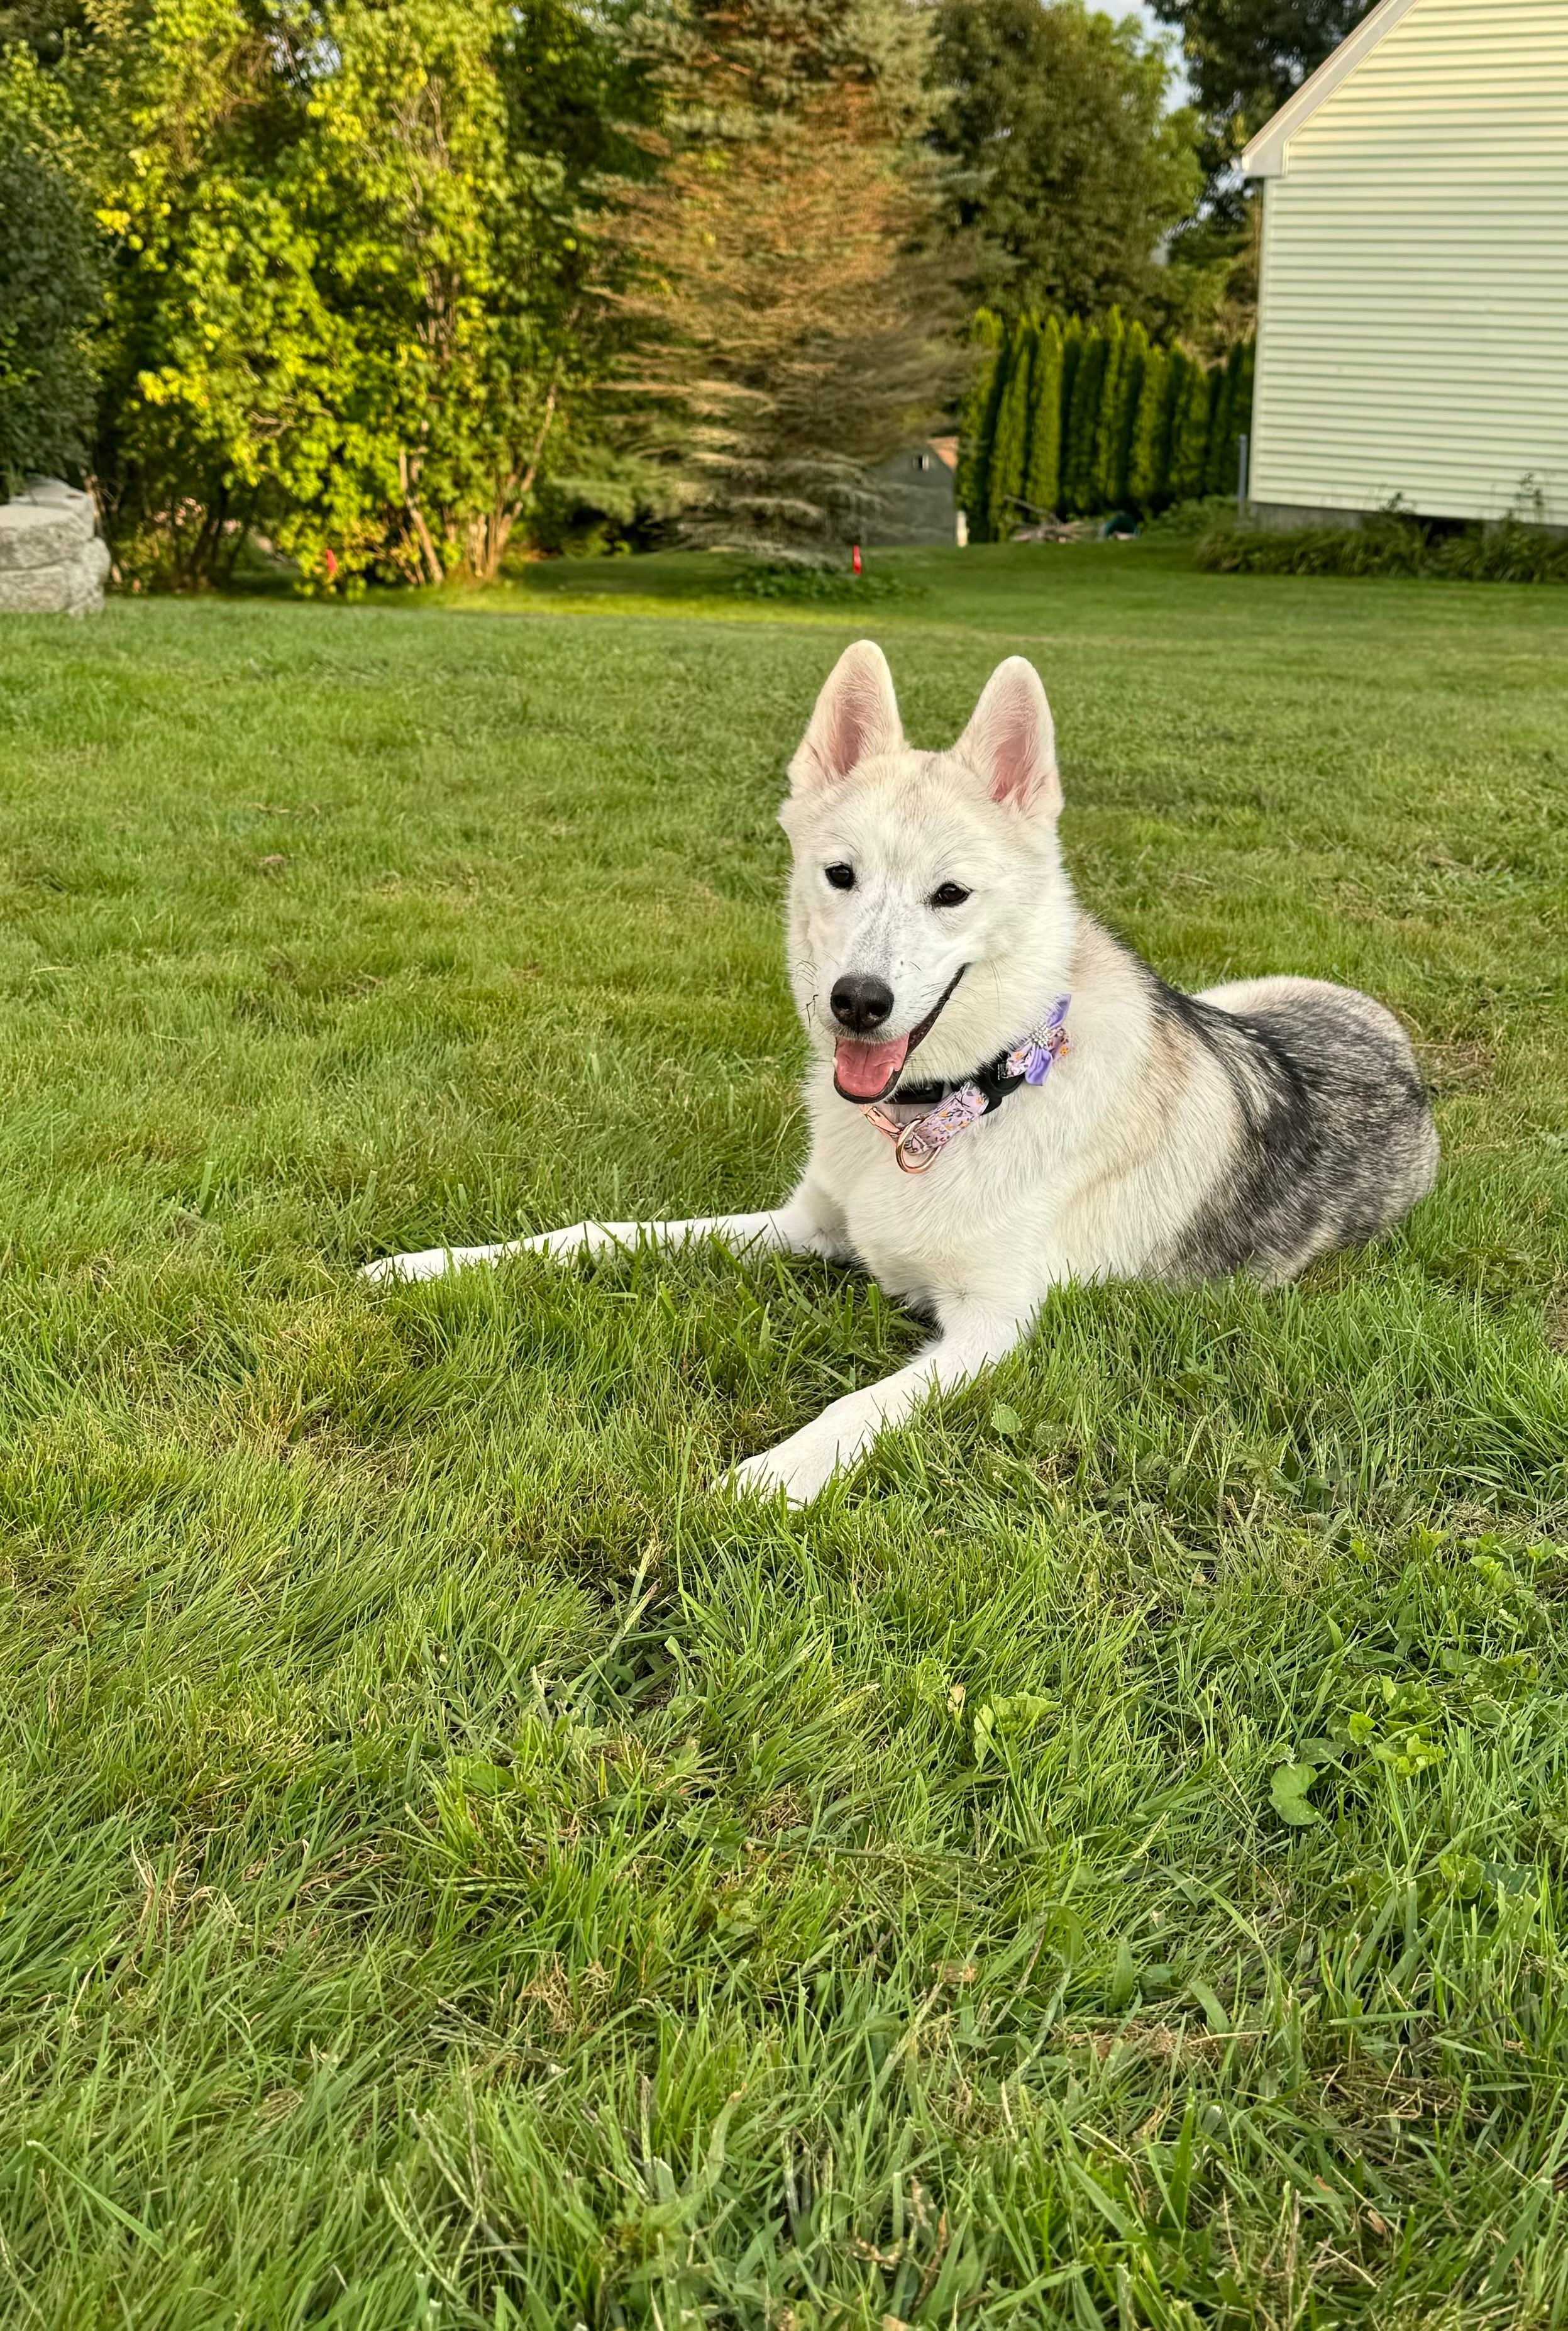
[1413, 329]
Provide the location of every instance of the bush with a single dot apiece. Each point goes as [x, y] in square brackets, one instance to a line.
[1193, 520]
[1510, 552]
[766, 579]
[50, 290]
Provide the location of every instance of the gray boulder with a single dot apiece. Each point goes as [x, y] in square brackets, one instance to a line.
[52, 561]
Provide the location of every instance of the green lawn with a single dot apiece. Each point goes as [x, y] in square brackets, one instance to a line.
[456, 1872]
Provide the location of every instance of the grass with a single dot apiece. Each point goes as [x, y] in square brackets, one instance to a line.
[1106, 1865]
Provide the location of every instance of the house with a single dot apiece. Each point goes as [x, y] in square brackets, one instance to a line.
[1414, 290]
[916, 491]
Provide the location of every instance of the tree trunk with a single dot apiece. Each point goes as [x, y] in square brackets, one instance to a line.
[489, 535]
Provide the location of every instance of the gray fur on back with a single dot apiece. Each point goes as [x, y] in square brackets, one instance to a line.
[1336, 1141]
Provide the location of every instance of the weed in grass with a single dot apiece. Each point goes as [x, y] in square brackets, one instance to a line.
[1104, 1865]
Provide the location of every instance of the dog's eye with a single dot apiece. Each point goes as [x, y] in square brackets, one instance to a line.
[951, 894]
[843, 878]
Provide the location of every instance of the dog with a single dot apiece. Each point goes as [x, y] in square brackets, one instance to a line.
[1071, 1116]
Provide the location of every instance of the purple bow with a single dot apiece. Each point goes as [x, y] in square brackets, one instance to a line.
[1040, 1052]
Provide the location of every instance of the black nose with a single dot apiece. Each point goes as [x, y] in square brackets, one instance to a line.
[860, 1005]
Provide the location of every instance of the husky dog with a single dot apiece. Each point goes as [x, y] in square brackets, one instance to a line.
[1070, 1117]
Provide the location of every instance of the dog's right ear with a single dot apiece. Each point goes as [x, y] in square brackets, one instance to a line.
[856, 717]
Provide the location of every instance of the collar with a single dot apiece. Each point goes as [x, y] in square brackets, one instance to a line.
[920, 1141]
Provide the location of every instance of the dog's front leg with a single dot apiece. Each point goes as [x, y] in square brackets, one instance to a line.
[971, 1340]
[807, 1223]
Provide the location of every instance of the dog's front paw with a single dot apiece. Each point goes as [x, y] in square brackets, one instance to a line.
[387, 1267]
[800, 1467]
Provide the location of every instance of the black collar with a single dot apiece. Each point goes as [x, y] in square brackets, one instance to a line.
[991, 1080]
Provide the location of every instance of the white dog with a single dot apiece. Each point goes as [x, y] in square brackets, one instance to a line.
[1074, 1119]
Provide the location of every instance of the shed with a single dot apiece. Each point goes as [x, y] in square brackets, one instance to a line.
[1412, 330]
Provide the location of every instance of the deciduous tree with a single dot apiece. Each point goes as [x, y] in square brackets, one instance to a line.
[1244, 58]
[348, 283]
[1069, 167]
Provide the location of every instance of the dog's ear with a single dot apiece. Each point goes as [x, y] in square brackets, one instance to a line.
[1011, 739]
[856, 717]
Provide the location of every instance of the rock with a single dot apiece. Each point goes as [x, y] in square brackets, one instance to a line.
[52, 561]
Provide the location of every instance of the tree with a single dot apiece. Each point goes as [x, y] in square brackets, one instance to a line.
[1042, 479]
[221, 350]
[347, 294]
[456, 286]
[1106, 462]
[1069, 167]
[1189, 438]
[791, 307]
[1232, 419]
[1010, 445]
[51, 283]
[1150, 435]
[977, 416]
[1244, 58]
[1081, 426]
[43, 26]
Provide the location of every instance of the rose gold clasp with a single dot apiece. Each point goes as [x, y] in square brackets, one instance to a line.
[927, 1152]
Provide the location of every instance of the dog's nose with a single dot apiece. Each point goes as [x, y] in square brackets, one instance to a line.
[860, 1005]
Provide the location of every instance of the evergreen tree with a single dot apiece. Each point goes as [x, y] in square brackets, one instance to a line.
[1072, 340]
[1171, 421]
[1243, 413]
[1219, 463]
[977, 419]
[1042, 482]
[1188, 430]
[1010, 445]
[1078, 478]
[792, 307]
[1232, 417]
[1108, 418]
[1146, 459]
[1134, 357]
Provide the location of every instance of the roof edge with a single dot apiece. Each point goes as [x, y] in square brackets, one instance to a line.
[1264, 156]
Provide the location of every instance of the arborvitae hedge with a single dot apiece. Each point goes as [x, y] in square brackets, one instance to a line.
[977, 417]
[1042, 478]
[1081, 419]
[1188, 431]
[1010, 440]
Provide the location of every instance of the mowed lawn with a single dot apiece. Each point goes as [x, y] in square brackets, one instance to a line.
[1103, 1866]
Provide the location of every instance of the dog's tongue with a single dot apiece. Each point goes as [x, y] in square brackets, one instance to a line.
[864, 1072]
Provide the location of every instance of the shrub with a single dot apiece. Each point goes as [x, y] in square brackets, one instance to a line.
[1389, 543]
[795, 579]
[1042, 478]
[50, 287]
[1191, 521]
[977, 415]
[1010, 442]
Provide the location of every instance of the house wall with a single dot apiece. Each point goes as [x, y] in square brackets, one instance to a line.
[917, 505]
[1413, 310]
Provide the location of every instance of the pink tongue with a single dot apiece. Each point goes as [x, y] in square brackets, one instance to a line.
[863, 1072]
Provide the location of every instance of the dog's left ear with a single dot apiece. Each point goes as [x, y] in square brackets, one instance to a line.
[1011, 739]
